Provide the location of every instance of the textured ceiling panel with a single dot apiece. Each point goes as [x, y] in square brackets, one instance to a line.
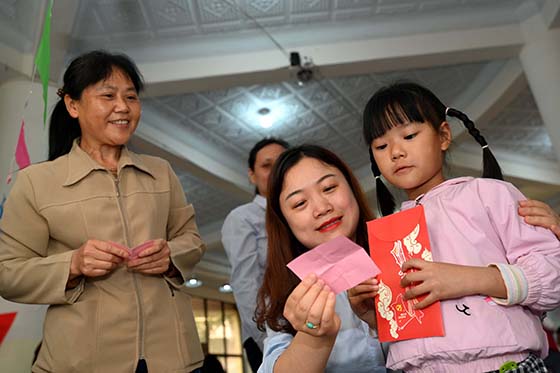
[325, 111]
[210, 204]
[136, 20]
[519, 126]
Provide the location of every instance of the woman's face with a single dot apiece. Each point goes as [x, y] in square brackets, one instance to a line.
[108, 111]
[318, 203]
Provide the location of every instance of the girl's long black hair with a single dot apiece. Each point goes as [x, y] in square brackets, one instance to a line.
[406, 102]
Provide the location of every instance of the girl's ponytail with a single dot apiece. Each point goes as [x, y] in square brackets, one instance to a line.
[384, 196]
[491, 168]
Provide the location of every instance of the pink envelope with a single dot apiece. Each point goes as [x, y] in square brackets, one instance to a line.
[135, 251]
[341, 263]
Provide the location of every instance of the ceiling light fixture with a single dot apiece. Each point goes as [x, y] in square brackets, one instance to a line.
[193, 282]
[225, 288]
[266, 120]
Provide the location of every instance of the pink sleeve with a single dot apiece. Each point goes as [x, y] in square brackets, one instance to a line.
[534, 250]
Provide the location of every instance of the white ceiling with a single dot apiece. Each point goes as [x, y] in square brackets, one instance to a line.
[211, 65]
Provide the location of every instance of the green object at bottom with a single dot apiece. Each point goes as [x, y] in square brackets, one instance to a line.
[507, 366]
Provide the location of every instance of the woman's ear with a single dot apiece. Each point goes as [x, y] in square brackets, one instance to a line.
[71, 106]
[445, 135]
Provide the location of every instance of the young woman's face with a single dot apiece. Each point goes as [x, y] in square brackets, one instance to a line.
[410, 156]
[108, 111]
[318, 203]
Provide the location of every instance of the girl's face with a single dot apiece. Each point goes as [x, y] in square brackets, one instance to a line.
[108, 111]
[318, 203]
[410, 156]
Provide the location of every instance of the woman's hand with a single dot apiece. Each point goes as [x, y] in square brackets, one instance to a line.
[310, 308]
[439, 281]
[96, 258]
[153, 260]
[361, 300]
[540, 214]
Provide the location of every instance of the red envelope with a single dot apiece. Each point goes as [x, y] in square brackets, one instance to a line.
[393, 240]
[6, 321]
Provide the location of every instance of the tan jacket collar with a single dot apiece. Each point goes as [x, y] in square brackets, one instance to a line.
[80, 163]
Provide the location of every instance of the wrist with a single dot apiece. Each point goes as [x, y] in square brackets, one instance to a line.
[490, 282]
[74, 271]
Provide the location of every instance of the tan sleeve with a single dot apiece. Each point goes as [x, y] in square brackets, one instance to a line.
[27, 273]
[182, 233]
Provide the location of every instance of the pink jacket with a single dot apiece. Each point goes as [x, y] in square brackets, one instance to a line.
[475, 222]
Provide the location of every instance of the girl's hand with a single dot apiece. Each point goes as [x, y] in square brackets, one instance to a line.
[310, 308]
[540, 214]
[439, 281]
[96, 258]
[361, 300]
[153, 260]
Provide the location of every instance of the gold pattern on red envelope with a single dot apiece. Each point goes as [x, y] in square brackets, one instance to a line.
[393, 240]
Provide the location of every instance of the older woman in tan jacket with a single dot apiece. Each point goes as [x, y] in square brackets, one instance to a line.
[69, 224]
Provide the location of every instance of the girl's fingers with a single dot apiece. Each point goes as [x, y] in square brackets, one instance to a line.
[364, 296]
[413, 263]
[412, 279]
[425, 302]
[360, 289]
[416, 291]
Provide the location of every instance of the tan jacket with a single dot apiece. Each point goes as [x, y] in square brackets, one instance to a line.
[106, 323]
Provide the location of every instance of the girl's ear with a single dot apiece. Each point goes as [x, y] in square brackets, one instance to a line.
[445, 135]
[71, 106]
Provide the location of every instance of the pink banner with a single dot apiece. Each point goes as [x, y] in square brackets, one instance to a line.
[22, 155]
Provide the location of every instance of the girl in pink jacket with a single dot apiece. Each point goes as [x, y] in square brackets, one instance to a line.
[497, 274]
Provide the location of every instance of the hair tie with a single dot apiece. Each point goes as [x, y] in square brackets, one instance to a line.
[484, 146]
[60, 93]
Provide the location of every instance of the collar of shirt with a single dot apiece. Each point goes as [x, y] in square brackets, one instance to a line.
[80, 163]
[434, 192]
[260, 200]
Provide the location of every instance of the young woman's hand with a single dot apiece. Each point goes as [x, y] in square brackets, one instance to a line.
[153, 260]
[439, 281]
[310, 308]
[96, 258]
[539, 213]
[361, 300]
